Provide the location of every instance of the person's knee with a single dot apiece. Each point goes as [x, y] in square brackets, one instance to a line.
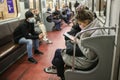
[55, 62]
[29, 42]
[58, 62]
[58, 50]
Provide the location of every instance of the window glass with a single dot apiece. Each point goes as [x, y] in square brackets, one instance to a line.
[26, 3]
[8, 9]
[58, 4]
[37, 4]
[31, 3]
[50, 4]
[99, 7]
[102, 8]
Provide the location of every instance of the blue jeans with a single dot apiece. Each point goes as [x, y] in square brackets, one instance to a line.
[29, 44]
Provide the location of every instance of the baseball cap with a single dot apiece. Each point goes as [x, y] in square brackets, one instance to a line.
[28, 14]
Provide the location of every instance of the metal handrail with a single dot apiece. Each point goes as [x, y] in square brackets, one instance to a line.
[74, 48]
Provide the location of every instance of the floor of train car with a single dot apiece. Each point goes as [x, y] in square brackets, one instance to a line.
[24, 70]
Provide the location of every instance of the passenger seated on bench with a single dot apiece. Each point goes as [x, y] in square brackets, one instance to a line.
[25, 34]
[86, 20]
[56, 19]
[41, 25]
[68, 12]
[64, 16]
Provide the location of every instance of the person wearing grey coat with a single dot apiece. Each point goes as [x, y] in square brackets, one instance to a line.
[84, 61]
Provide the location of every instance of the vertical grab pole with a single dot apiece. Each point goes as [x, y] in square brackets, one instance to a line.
[116, 56]
[73, 63]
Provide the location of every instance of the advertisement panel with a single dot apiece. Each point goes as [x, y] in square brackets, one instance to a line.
[10, 6]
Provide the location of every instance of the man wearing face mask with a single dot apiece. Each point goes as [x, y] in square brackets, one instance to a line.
[25, 34]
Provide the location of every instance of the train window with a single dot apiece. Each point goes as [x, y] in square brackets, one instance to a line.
[38, 5]
[58, 4]
[26, 4]
[35, 4]
[50, 4]
[31, 4]
[100, 6]
[8, 9]
[43, 4]
[104, 7]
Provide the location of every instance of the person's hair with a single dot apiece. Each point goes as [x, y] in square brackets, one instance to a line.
[28, 14]
[87, 8]
[31, 9]
[84, 14]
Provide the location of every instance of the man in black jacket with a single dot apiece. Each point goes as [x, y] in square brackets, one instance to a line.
[25, 34]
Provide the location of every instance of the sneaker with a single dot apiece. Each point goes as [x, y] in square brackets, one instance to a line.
[32, 60]
[49, 42]
[51, 70]
[45, 39]
[38, 52]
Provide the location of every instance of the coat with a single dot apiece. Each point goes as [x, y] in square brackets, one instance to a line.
[84, 61]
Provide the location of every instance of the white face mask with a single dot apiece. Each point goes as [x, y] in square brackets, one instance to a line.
[31, 20]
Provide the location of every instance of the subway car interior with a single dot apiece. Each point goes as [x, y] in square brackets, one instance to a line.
[59, 40]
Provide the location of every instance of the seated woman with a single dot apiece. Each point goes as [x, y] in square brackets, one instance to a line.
[64, 16]
[86, 20]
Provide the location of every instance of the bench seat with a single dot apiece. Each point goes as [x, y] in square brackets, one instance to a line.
[9, 51]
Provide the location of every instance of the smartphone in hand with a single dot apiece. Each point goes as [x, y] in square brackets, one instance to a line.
[69, 36]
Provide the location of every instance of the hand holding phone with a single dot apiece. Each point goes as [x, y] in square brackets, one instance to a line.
[69, 36]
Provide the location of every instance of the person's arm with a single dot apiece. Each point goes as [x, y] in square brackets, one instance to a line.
[38, 18]
[69, 36]
[26, 34]
[69, 49]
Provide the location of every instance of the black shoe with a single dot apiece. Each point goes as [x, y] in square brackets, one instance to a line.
[32, 60]
[38, 52]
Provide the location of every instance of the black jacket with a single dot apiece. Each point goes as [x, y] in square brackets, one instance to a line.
[25, 30]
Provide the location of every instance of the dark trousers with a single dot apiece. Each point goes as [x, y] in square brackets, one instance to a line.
[57, 24]
[59, 63]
